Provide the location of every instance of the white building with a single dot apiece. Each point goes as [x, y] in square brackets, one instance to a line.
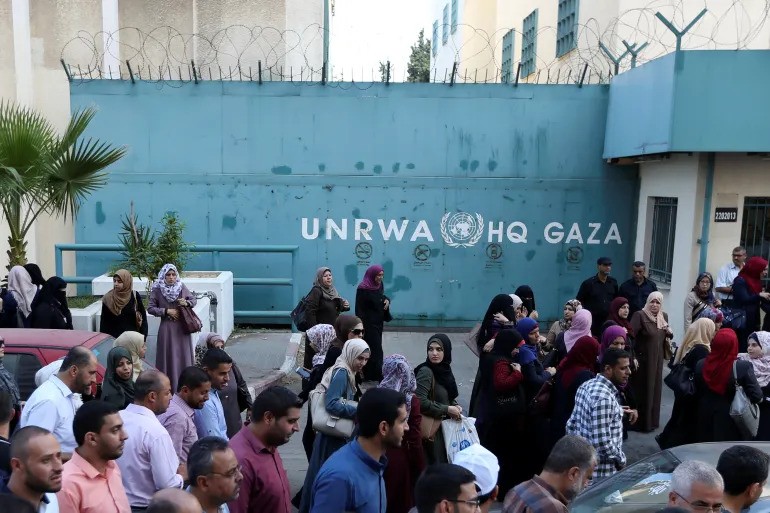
[446, 34]
[100, 35]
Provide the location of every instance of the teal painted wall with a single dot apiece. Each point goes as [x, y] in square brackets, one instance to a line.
[249, 164]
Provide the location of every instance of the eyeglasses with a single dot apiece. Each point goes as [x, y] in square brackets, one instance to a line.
[474, 503]
[699, 506]
[230, 473]
[357, 332]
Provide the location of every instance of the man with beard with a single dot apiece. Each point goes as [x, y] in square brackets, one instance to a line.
[565, 474]
[91, 482]
[274, 418]
[52, 406]
[598, 415]
[36, 468]
[351, 479]
[192, 393]
[215, 475]
[149, 462]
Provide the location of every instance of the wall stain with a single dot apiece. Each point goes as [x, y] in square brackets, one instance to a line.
[351, 274]
[508, 198]
[100, 217]
[322, 167]
[492, 165]
[281, 170]
[474, 165]
[359, 165]
[229, 222]
[529, 255]
[410, 166]
[377, 169]
[396, 167]
[357, 213]
[464, 165]
[418, 206]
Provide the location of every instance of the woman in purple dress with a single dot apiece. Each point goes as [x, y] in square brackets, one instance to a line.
[174, 349]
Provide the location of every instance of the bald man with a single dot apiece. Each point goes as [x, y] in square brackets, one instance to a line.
[173, 500]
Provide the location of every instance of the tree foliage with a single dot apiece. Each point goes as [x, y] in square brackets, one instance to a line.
[418, 69]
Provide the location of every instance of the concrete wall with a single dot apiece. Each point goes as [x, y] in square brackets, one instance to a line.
[357, 177]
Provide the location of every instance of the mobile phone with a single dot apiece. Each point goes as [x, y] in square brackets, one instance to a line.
[303, 372]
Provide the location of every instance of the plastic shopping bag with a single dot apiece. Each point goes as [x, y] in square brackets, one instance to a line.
[458, 435]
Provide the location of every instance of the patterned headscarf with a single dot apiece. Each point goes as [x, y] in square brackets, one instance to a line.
[24, 291]
[330, 292]
[762, 364]
[397, 375]
[321, 337]
[170, 292]
[574, 305]
[206, 341]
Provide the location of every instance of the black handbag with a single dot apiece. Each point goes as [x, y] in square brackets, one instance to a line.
[299, 314]
[681, 380]
[509, 405]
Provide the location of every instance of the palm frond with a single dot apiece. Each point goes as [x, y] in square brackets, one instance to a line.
[75, 128]
[26, 140]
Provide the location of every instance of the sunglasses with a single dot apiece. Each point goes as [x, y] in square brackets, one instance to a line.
[357, 332]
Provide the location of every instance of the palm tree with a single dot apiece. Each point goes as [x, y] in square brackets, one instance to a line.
[42, 171]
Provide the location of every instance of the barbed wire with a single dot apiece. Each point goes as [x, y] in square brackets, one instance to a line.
[169, 57]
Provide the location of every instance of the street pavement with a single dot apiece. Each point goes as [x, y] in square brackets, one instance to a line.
[261, 354]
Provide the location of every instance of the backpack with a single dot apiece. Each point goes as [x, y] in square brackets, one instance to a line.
[299, 314]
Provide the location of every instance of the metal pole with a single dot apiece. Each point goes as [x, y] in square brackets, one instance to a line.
[326, 31]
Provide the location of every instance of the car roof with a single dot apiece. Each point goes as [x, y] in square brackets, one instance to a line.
[709, 452]
[51, 338]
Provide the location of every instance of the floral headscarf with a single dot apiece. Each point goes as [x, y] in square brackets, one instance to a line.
[762, 364]
[574, 305]
[397, 375]
[170, 292]
[321, 337]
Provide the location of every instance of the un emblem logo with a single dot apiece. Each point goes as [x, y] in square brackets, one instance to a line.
[462, 230]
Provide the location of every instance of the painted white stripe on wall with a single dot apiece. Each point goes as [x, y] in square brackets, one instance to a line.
[22, 52]
[111, 39]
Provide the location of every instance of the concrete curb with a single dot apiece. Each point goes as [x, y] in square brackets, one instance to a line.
[275, 376]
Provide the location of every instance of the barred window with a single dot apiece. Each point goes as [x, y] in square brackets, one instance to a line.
[529, 44]
[663, 234]
[566, 27]
[445, 27]
[434, 43]
[454, 15]
[507, 71]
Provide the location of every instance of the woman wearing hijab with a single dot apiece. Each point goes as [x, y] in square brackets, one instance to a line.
[405, 463]
[321, 337]
[694, 348]
[17, 301]
[533, 371]
[122, 307]
[498, 430]
[49, 308]
[570, 308]
[174, 351]
[118, 386]
[134, 342]
[759, 342]
[619, 309]
[527, 296]
[339, 382]
[437, 391]
[580, 327]
[324, 304]
[373, 308]
[715, 388]
[651, 348]
[616, 337]
[749, 296]
[9, 386]
[577, 367]
[699, 298]
[235, 397]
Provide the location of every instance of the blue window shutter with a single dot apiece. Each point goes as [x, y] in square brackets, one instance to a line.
[529, 44]
[566, 27]
[445, 27]
[454, 15]
[507, 70]
[434, 43]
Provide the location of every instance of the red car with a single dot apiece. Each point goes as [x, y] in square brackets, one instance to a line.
[28, 350]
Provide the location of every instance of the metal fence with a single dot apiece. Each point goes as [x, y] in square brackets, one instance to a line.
[755, 229]
[215, 251]
[663, 232]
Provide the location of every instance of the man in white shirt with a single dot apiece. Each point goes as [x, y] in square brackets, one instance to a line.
[53, 404]
[149, 462]
[728, 272]
[36, 468]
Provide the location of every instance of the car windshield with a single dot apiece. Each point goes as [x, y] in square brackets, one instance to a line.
[101, 350]
[646, 482]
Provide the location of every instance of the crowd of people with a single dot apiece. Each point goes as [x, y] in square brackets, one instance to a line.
[552, 411]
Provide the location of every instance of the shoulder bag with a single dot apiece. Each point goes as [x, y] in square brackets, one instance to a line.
[542, 404]
[326, 423]
[744, 413]
[299, 314]
[191, 323]
[429, 425]
[681, 380]
[137, 314]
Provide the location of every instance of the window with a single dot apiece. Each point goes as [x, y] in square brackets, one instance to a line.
[755, 228]
[23, 367]
[662, 245]
[508, 56]
[445, 28]
[529, 44]
[434, 44]
[566, 26]
[454, 15]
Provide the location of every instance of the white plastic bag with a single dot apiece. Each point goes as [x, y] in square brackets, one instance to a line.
[458, 435]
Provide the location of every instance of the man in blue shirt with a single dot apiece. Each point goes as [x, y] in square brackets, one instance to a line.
[210, 420]
[351, 479]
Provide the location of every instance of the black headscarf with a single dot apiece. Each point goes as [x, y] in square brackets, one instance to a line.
[53, 293]
[116, 391]
[35, 273]
[442, 371]
[527, 296]
[505, 342]
[500, 303]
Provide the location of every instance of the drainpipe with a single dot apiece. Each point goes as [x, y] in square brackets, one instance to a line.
[704, 232]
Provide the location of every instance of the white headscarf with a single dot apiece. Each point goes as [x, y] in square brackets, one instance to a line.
[170, 292]
[20, 284]
[350, 351]
[517, 302]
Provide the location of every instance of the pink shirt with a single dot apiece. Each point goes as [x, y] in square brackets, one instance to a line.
[178, 421]
[85, 490]
[265, 486]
